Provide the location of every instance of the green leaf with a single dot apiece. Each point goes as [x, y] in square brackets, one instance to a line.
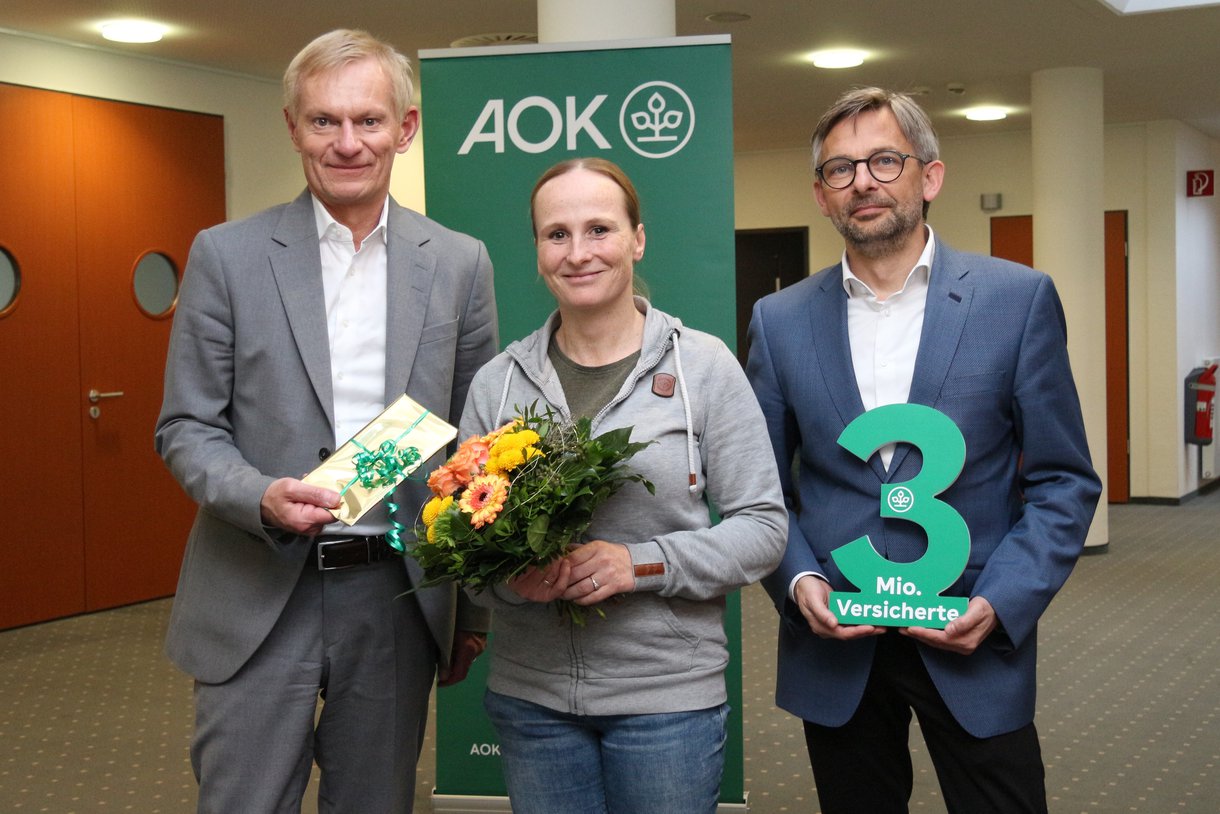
[536, 534]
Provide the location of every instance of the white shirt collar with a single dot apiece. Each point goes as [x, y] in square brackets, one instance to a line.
[922, 271]
[328, 227]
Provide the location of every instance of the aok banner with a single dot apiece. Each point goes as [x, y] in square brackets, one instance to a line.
[494, 120]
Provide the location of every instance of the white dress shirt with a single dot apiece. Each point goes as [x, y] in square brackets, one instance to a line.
[884, 335]
[884, 338]
[354, 286]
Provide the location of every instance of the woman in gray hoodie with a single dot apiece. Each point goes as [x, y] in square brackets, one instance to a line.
[625, 713]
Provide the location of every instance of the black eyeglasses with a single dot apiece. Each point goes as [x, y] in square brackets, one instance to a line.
[884, 165]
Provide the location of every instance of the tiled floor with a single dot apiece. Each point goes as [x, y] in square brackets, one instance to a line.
[95, 720]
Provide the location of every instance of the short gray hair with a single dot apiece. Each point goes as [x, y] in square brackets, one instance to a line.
[912, 120]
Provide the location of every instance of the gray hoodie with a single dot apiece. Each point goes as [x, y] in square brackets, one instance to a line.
[661, 648]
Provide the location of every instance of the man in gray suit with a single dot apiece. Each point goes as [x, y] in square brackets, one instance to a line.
[294, 328]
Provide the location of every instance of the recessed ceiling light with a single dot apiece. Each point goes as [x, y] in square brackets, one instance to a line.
[986, 114]
[838, 58]
[1141, 6]
[483, 40]
[727, 17]
[133, 31]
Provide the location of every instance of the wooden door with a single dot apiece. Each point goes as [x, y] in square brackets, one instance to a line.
[147, 180]
[42, 571]
[1012, 237]
[1117, 362]
[767, 260]
[95, 519]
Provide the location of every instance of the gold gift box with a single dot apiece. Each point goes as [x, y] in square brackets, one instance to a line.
[406, 424]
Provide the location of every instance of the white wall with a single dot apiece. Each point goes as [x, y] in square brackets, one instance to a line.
[1198, 283]
[975, 166]
[261, 167]
[1173, 257]
[775, 189]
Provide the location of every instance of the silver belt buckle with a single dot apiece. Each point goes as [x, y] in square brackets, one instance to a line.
[322, 545]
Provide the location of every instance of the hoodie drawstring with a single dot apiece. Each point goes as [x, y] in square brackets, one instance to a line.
[690, 431]
[508, 380]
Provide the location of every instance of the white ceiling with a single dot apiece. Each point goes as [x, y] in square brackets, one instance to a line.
[1161, 65]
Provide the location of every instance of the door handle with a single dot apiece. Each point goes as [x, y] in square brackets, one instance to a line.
[95, 395]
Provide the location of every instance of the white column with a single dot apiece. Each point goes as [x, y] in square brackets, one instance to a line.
[586, 20]
[1069, 234]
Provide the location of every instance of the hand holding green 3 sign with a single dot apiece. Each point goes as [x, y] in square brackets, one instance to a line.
[907, 594]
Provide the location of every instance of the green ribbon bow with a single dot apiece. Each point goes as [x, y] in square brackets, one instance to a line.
[386, 466]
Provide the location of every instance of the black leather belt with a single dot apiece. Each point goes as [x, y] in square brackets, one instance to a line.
[332, 553]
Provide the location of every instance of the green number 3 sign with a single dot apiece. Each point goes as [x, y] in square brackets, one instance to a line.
[902, 594]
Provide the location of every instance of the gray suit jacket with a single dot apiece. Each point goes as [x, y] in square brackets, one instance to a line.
[248, 400]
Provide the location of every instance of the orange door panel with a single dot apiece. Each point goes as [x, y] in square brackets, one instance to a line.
[1012, 238]
[147, 180]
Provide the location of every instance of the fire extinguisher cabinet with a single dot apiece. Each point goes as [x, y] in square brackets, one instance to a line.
[1201, 405]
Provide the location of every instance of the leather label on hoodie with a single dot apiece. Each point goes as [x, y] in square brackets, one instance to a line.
[663, 385]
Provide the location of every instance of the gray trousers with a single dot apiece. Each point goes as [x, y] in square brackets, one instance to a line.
[348, 638]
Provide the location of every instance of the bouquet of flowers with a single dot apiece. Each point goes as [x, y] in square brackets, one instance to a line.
[519, 497]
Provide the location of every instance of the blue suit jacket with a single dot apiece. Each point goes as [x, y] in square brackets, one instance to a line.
[993, 357]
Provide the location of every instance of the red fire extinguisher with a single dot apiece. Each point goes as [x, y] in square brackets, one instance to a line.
[1201, 405]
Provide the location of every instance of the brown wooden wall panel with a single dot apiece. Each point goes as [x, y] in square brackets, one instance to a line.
[41, 549]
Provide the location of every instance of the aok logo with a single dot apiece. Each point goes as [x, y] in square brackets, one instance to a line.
[901, 499]
[656, 120]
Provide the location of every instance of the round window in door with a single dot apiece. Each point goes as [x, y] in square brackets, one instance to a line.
[10, 282]
[155, 284]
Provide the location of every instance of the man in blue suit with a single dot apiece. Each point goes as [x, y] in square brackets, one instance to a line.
[905, 319]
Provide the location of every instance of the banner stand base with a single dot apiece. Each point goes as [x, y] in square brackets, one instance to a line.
[474, 804]
[468, 804]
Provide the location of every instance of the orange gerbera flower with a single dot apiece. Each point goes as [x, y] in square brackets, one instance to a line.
[484, 498]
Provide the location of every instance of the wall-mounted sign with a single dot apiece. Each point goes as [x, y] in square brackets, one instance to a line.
[1200, 183]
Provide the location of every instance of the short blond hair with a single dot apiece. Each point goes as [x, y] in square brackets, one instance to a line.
[340, 47]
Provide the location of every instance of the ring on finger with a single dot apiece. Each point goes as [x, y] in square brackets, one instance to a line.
[593, 579]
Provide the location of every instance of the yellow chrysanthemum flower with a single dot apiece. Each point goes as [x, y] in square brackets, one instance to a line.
[511, 450]
[433, 509]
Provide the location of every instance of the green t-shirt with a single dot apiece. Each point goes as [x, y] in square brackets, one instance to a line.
[588, 389]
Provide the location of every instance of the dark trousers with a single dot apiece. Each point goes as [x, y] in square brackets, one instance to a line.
[864, 766]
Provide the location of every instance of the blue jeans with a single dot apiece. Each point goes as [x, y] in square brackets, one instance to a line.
[556, 763]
